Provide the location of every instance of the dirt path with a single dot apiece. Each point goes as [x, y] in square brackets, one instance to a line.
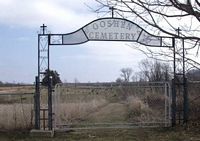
[112, 112]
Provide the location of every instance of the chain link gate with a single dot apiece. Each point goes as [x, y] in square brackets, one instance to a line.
[194, 103]
[112, 105]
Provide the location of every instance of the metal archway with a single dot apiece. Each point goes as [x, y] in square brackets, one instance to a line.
[103, 29]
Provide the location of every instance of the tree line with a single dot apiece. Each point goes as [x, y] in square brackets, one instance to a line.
[153, 71]
[149, 71]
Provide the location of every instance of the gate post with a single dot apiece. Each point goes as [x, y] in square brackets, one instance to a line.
[186, 103]
[174, 86]
[173, 103]
[185, 90]
[50, 113]
[43, 68]
[37, 103]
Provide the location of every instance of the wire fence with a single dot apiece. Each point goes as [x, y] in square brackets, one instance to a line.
[194, 102]
[16, 111]
[112, 105]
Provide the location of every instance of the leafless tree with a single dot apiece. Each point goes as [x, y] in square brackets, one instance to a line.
[154, 71]
[126, 74]
[162, 18]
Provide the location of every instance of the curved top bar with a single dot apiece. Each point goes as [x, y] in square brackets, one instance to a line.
[111, 29]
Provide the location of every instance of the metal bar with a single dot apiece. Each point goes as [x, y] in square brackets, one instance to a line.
[50, 114]
[174, 53]
[186, 101]
[185, 93]
[50, 125]
[183, 58]
[16, 94]
[112, 11]
[36, 104]
[108, 123]
[44, 65]
[112, 125]
[169, 102]
[174, 88]
[166, 103]
[39, 57]
[116, 127]
[43, 111]
[173, 103]
[37, 101]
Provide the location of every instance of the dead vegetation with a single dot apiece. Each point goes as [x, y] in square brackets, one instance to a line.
[93, 104]
[114, 104]
[16, 116]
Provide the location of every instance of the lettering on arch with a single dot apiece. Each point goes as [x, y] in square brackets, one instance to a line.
[110, 29]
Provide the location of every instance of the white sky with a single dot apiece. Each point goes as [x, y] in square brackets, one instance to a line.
[90, 62]
[93, 61]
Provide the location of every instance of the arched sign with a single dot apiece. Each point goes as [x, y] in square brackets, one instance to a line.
[103, 29]
[110, 29]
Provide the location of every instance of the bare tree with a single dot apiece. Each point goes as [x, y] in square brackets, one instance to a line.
[126, 74]
[173, 18]
[154, 71]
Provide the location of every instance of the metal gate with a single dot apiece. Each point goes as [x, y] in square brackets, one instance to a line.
[112, 105]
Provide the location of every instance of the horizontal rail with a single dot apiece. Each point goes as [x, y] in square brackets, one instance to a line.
[15, 94]
[112, 125]
[107, 123]
[113, 83]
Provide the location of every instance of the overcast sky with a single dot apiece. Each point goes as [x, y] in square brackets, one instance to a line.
[90, 62]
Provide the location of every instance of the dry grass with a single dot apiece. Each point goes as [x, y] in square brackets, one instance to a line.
[136, 104]
[92, 104]
[138, 110]
[119, 104]
[75, 112]
[77, 105]
[141, 111]
[16, 109]
[17, 89]
[16, 116]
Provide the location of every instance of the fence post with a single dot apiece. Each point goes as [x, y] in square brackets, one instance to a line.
[50, 113]
[37, 103]
[186, 103]
[173, 103]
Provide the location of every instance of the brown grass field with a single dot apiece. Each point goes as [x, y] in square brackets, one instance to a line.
[93, 105]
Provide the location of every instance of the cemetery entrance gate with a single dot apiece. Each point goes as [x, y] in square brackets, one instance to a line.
[103, 29]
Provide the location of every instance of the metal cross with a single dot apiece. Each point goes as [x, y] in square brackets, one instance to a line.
[43, 27]
[178, 30]
[112, 10]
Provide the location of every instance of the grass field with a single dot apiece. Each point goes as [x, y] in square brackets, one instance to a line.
[138, 134]
[83, 104]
